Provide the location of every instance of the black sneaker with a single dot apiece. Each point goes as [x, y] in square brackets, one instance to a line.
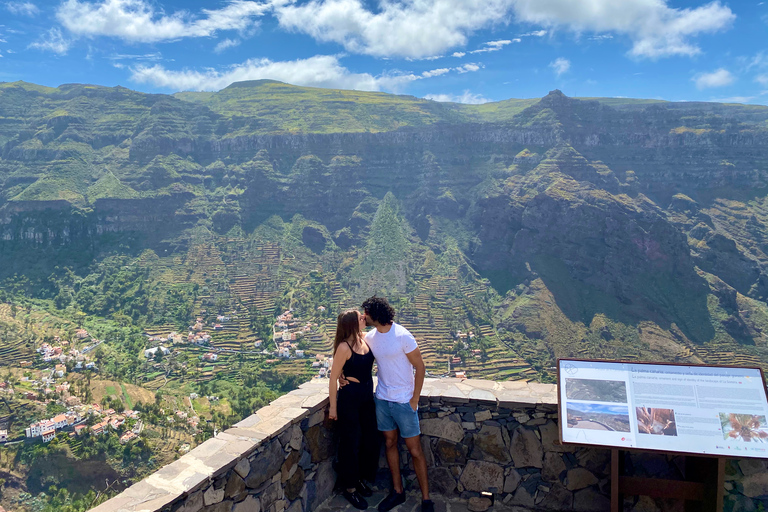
[391, 501]
[355, 499]
[427, 506]
[363, 489]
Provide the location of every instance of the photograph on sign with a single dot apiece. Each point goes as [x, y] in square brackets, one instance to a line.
[688, 409]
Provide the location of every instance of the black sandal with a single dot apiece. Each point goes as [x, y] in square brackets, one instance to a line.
[355, 499]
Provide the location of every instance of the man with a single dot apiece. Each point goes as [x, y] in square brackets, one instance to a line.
[397, 396]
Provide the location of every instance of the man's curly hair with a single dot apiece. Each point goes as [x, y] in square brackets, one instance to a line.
[379, 310]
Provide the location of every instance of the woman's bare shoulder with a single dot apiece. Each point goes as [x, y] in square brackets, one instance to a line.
[343, 351]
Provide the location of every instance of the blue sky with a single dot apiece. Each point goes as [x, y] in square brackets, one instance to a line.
[448, 50]
[598, 408]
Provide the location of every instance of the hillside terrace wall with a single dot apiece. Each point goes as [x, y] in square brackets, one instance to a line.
[479, 435]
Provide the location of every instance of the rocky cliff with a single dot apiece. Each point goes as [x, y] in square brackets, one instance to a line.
[606, 227]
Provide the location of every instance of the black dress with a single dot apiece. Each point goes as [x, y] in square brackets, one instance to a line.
[359, 437]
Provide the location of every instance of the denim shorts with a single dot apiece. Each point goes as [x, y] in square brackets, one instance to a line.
[395, 415]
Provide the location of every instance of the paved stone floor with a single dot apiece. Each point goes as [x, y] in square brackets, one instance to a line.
[338, 503]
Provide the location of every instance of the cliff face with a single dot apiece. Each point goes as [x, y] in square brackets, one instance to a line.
[634, 209]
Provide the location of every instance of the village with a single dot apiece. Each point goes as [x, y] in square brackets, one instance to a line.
[288, 333]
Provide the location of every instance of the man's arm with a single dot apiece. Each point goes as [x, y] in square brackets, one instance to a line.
[421, 370]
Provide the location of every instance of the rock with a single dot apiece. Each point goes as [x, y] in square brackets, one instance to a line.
[235, 486]
[558, 498]
[296, 506]
[305, 461]
[645, 504]
[550, 438]
[476, 504]
[523, 498]
[320, 443]
[250, 504]
[553, 466]
[243, 467]
[596, 461]
[756, 485]
[589, 500]
[526, 449]
[512, 481]
[489, 445]
[442, 481]
[193, 503]
[751, 466]
[265, 465]
[222, 506]
[316, 418]
[294, 484]
[296, 437]
[289, 465]
[271, 494]
[427, 449]
[451, 453]
[482, 476]
[445, 428]
[482, 415]
[322, 484]
[579, 478]
[212, 496]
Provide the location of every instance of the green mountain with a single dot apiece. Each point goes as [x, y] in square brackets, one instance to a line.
[601, 227]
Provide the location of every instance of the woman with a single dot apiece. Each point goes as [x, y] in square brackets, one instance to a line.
[354, 409]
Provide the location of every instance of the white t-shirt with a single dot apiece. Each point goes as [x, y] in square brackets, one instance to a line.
[395, 370]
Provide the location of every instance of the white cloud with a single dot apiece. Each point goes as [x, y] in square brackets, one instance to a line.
[9, 51]
[53, 41]
[138, 21]
[468, 67]
[494, 46]
[761, 79]
[560, 65]
[535, 33]
[22, 8]
[318, 71]
[466, 97]
[422, 28]
[413, 29]
[435, 72]
[130, 56]
[458, 54]
[734, 99]
[717, 78]
[226, 43]
[656, 30]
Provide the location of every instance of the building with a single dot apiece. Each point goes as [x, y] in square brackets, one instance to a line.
[299, 353]
[3, 436]
[257, 343]
[127, 437]
[80, 430]
[81, 334]
[210, 356]
[48, 435]
[150, 352]
[284, 352]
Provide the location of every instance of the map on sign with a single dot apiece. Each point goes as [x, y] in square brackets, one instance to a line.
[688, 409]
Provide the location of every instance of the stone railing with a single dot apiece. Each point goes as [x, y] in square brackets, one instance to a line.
[500, 437]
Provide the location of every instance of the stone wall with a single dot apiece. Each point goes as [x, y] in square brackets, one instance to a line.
[479, 435]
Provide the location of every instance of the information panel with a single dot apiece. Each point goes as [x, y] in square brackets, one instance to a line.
[690, 409]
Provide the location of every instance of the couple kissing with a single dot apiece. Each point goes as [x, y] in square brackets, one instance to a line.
[362, 414]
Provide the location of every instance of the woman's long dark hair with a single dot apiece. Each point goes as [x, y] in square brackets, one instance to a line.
[347, 326]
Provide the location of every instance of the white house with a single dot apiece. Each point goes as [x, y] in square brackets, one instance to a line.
[210, 356]
[3, 436]
[284, 352]
[48, 435]
[150, 352]
[299, 353]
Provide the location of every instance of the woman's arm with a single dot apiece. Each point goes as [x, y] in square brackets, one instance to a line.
[343, 352]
